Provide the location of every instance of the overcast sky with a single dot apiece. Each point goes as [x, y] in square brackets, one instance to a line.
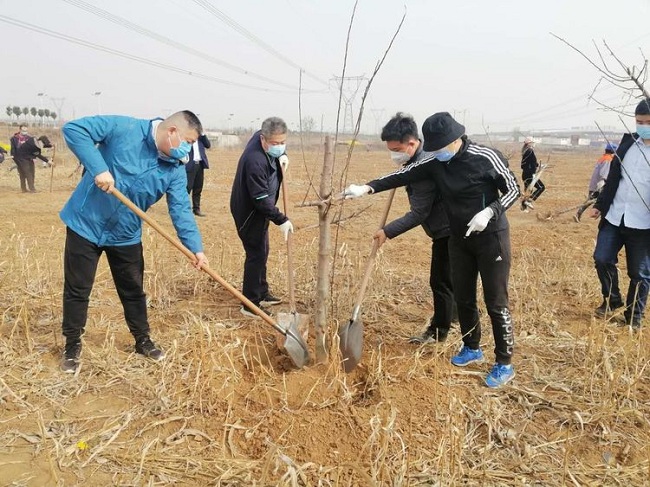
[492, 63]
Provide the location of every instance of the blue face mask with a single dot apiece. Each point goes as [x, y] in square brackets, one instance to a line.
[643, 131]
[182, 151]
[444, 155]
[276, 150]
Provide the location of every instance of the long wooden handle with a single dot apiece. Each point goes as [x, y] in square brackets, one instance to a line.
[290, 274]
[373, 253]
[188, 253]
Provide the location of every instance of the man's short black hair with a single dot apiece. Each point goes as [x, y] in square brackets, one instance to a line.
[193, 121]
[643, 108]
[401, 128]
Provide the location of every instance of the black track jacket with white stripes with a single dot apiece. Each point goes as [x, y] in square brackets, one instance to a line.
[475, 178]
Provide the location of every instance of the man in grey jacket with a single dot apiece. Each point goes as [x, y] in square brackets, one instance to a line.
[401, 137]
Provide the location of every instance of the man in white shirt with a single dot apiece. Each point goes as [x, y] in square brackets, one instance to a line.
[624, 205]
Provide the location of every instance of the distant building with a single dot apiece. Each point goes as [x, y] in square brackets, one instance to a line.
[224, 141]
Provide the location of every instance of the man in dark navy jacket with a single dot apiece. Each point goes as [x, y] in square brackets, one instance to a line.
[624, 209]
[253, 199]
[195, 167]
[426, 209]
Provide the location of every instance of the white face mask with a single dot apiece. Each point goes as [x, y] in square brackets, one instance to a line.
[399, 158]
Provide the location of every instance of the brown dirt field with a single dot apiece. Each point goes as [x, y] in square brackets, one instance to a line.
[227, 407]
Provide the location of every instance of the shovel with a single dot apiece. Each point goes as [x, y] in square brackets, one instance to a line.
[291, 320]
[351, 333]
[294, 345]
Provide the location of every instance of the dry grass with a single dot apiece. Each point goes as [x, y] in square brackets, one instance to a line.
[226, 408]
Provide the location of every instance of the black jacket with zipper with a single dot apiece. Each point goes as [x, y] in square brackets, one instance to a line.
[476, 177]
[256, 187]
[426, 208]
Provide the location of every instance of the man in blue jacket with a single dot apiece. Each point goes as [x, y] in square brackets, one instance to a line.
[144, 160]
[477, 188]
[624, 208]
[426, 209]
[195, 167]
[254, 195]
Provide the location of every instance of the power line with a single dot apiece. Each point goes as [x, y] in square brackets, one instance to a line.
[253, 38]
[121, 21]
[97, 47]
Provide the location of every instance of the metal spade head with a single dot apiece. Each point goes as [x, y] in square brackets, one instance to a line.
[294, 343]
[351, 343]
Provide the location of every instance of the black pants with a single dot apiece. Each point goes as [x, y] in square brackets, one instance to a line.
[255, 237]
[441, 285]
[26, 173]
[539, 186]
[195, 184]
[488, 255]
[80, 265]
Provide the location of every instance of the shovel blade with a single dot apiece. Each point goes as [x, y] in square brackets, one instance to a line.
[294, 344]
[351, 344]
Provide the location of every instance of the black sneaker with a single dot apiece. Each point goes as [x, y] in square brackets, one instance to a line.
[70, 360]
[270, 300]
[249, 313]
[149, 349]
[430, 335]
[607, 308]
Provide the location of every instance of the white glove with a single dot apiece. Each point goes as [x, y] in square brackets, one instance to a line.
[480, 221]
[356, 191]
[285, 228]
[284, 162]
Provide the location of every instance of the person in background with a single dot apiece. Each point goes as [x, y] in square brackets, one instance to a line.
[426, 209]
[597, 181]
[477, 188]
[24, 150]
[143, 159]
[195, 168]
[529, 167]
[253, 199]
[624, 210]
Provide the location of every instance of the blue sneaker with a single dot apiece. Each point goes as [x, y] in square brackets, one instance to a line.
[500, 375]
[467, 356]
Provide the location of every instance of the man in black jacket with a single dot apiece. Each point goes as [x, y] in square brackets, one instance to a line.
[477, 188]
[401, 137]
[624, 205]
[195, 168]
[254, 195]
[529, 166]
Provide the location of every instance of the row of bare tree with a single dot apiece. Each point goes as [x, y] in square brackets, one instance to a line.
[42, 113]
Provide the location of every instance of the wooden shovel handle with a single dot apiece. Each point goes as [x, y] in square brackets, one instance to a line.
[188, 253]
[290, 282]
[373, 253]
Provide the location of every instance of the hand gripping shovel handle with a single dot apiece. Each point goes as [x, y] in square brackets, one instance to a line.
[371, 257]
[188, 253]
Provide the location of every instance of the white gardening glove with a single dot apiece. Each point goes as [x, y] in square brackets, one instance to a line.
[356, 191]
[480, 221]
[284, 162]
[285, 228]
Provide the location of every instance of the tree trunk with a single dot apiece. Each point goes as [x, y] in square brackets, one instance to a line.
[324, 256]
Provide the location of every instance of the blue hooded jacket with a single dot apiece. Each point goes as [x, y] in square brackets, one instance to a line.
[124, 146]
